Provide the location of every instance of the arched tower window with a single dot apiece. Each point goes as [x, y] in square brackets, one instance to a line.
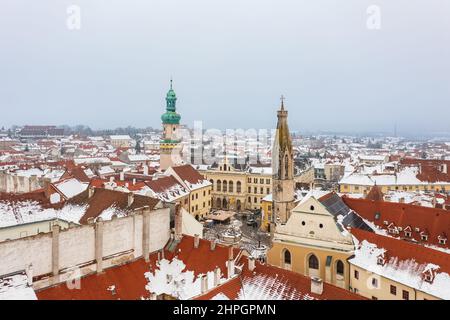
[238, 187]
[313, 262]
[219, 185]
[287, 257]
[340, 268]
[230, 186]
[224, 183]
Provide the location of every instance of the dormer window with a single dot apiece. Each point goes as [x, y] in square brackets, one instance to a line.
[442, 240]
[408, 234]
[427, 278]
[424, 237]
[381, 260]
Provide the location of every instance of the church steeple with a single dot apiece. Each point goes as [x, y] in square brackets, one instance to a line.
[282, 169]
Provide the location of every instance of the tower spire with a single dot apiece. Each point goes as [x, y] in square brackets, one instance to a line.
[282, 102]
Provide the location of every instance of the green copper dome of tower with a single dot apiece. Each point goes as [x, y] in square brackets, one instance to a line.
[171, 116]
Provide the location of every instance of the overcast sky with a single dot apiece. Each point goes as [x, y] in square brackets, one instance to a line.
[230, 61]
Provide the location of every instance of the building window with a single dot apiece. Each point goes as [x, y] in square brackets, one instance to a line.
[287, 257]
[262, 190]
[313, 262]
[212, 183]
[224, 186]
[255, 189]
[424, 237]
[249, 190]
[375, 282]
[256, 200]
[196, 196]
[204, 193]
[340, 267]
[230, 186]
[268, 190]
[303, 223]
[238, 187]
[393, 290]
[356, 274]
[261, 181]
[405, 295]
[249, 180]
[267, 181]
[219, 185]
[249, 199]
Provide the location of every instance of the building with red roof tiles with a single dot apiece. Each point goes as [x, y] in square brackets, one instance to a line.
[422, 225]
[388, 268]
[193, 268]
[200, 189]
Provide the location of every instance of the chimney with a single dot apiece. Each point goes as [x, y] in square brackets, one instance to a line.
[204, 283]
[146, 170]
[230, 253]
[178, 222]
[111, 179]
[316, 285]
[230, 263]
[196, 241]
[251, 263]
[29, 272]
[130, 198]
[217, 276]
[444, 168]
[91, 191]
[134, 181]
[213, 245]
[122, 175]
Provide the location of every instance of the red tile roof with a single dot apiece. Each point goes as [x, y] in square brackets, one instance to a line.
[274, 281]
[430, 170]
[188, 173]
[436, 222]
[405, 250]
[103, 199]
[130, 282]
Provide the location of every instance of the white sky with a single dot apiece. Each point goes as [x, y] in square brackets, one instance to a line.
[230, 60]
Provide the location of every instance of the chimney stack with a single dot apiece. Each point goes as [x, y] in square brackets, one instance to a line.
[178, 222]
[145, 170]
[251, 263]
[217, 276]
[316, 285]
[213, 245]
[122, 175]
[90, 192]
[196, 241]
[444, 168]
[29, 272]
[230, 263]
[204, 283]
[130, 198]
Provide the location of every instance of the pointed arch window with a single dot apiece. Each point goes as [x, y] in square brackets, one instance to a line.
[340, 268]
[287, 257]
[313, 262]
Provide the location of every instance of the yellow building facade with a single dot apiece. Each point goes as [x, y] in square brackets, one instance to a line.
[311, 243]
[234, 189]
